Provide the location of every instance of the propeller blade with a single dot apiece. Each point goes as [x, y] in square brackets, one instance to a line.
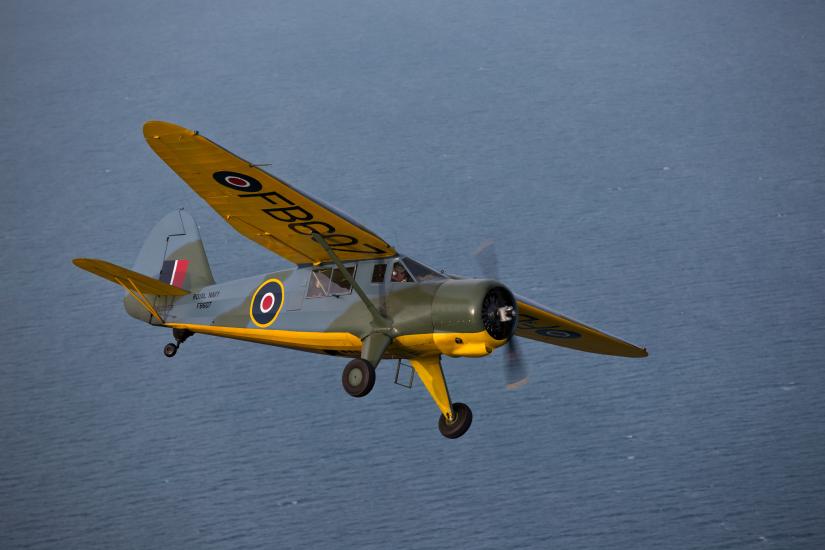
[515, 371]
[487, 259]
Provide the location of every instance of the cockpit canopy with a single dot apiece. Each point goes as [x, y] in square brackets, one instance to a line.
[407, 270]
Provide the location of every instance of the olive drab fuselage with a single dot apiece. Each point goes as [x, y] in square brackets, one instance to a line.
[446, 306]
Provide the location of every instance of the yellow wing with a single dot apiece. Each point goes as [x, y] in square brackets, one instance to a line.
[257, 204]
[537, 322]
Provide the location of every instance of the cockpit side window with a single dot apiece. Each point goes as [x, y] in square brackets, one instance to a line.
[340, 285]
[319, 281]
[378, 273]
[400, 273]
[421, 272]
[329, 281]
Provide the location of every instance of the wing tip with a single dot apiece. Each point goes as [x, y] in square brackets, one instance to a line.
[84, 263]
[155, 129]
[626, 349]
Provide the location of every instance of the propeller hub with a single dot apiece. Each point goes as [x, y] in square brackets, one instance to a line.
[498, 313]
[505, 313]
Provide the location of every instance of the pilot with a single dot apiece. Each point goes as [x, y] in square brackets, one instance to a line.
[317, 289]
[399, 274]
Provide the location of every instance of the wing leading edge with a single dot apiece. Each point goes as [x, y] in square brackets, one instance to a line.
[257, 204]
[536, 322]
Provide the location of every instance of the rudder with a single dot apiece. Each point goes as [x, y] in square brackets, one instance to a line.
[173, 253]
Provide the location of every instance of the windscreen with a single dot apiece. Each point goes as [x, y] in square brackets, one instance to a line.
[421, 272]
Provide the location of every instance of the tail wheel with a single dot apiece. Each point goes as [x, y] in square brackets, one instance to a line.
[170, 349]
[180, 334]
[462, 418]
[358, 377]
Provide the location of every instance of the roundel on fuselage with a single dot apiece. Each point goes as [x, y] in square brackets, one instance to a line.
[266, 303]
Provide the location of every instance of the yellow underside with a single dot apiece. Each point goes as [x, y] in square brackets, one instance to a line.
[423, 350]
[477, 344]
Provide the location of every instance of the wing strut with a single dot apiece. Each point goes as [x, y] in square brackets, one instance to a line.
[379, 322]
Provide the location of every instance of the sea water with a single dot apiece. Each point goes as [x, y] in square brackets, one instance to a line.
[653, 169]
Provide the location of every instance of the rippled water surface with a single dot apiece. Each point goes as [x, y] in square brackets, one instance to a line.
[654, 170]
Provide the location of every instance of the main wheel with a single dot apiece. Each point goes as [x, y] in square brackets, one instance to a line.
[358, 377]
[462, 418]
[170, 349]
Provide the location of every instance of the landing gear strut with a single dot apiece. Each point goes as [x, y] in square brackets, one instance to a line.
[358, 377]
[455, 418]
[180, 334]
[462, 418]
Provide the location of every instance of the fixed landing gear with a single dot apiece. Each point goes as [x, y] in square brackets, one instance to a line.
[170, 349]
[455, 418]
[358, 377]
[462, 418]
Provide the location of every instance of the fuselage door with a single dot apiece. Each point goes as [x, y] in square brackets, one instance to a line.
[296, 288]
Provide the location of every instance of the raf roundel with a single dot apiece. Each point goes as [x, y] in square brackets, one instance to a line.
[266, 303]
[558, 333]
[237, 181]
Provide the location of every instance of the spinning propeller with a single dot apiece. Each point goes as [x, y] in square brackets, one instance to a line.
[515, 372]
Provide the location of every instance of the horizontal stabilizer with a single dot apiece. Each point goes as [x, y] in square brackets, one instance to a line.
[127, 277]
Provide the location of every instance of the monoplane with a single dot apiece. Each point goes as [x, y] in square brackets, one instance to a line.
[350, 294]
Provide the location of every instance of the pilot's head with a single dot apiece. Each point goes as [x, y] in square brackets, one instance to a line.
[399, 274]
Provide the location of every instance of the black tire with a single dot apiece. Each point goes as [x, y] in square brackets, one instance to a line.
[358, 377]
[170, 349]
[462, 418]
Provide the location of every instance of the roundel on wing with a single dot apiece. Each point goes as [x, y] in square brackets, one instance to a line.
[558, 333]
[266, 303]
[237, 181]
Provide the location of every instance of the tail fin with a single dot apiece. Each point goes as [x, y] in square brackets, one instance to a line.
[171, 264]
[174, 253]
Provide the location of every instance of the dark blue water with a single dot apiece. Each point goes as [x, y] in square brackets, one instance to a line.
[655, 170]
